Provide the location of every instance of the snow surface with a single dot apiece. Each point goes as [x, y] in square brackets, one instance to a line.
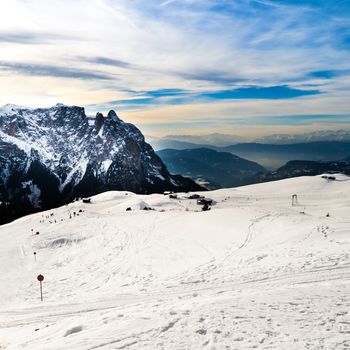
[254, 272]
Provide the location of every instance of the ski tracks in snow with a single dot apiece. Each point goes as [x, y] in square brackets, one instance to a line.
[252, 273]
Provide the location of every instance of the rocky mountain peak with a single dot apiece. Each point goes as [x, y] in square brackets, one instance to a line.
[48, 156]
[99, 119]
[113, 115]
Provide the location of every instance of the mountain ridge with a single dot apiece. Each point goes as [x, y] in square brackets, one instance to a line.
[48, 156]
[298, 168]
[225, 140]
[221, 169]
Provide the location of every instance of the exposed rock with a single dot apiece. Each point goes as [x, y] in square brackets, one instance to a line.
[48, 156]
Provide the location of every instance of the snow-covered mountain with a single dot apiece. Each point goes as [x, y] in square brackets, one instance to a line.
[51, 155]
[254, 272]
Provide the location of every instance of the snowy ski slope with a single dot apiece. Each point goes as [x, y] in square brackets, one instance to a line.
[254, 272]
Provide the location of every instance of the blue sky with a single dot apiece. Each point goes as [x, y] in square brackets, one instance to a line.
[183, 66]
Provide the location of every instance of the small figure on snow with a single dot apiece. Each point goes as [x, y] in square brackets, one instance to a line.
[294, 200]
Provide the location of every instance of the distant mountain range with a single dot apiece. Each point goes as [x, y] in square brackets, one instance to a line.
[316, 136]
[274, 156]
[224, 140]
[271, 156]
[165, 143]
[48, 156]
[214, 139]
[223, 169]
[218, 169]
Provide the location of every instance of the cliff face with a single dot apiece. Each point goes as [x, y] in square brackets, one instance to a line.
[48, 156]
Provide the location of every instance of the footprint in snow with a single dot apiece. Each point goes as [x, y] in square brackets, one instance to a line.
[73, 330]
[238, 339]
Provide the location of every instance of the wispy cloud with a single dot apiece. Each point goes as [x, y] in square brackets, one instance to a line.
[29, 38]
[298, 119]
[106, 61]
[168, 2]
[53, 71]
[180, 96]
[211, 76]
[178, 53]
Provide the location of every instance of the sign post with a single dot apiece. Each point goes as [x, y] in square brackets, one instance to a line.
[34, 256]
[40, 278]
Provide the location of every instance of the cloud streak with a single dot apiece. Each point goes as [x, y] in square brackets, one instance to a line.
[53, 71]
[29, 38]
[147, 54]
[106, 61]
[168, 97]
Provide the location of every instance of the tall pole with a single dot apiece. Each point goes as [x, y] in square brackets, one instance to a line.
[40, 278]
[41, 291]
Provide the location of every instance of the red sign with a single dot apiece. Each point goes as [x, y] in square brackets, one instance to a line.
[40, 278]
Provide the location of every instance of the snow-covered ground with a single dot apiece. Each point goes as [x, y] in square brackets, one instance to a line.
[254, 272]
